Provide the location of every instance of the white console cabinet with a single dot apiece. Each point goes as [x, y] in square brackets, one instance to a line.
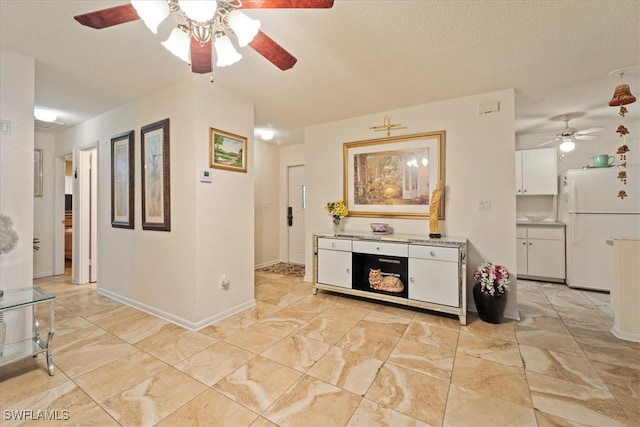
[334, 262]
[433, 271]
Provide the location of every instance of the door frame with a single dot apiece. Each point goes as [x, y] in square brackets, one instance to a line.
[286, 206]
[85, 231]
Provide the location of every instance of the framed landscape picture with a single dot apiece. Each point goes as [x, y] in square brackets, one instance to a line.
[227, 151]
[394, 176]
[156, 191]
[122, 161]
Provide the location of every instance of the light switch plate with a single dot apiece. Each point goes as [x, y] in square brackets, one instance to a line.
[205, 176]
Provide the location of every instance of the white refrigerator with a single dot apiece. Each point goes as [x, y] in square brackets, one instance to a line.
[597, 204]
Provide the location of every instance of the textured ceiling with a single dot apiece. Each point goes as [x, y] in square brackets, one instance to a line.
[359, 57]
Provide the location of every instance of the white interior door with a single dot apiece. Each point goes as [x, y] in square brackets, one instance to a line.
[295, 213]
[84, 265]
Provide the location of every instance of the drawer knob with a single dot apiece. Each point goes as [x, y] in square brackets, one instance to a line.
[349, 270]
[378, 248]
[333, 245]
[411, 279]
[432, 253]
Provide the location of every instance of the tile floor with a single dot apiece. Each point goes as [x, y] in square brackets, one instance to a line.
[327, 360]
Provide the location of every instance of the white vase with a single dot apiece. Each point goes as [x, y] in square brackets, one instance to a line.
[338, 225]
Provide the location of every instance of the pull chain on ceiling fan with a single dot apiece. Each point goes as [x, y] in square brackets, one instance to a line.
[568, 134]
[203, 23]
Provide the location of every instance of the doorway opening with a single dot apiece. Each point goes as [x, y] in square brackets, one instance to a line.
[85, 223]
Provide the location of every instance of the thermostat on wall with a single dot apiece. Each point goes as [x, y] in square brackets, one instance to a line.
[205, 175]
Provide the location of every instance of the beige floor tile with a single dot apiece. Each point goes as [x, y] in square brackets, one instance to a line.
[549, 340]
[171, 343]
[488, 348]
[297, 352]
[587, 405]
[345, 313]
[503, 331]
[376, 344]
[438, 319]
[427, 333]
[371, 414]
[547, 420]
[564, 366]
[311, 402]
[383, 322]
[153, 399]
[258, 383]
[584, 315]
[326, 330]
[64, 398]
[256, 338]
[416, 395]
[119, 375]
[215, 362]
[536, 308]
[210, 409]
[423, 358]
[262, 422]
[287, 319]
[466, 407]
[352, 371]
[227, 327]
[491, 378]
[541, 322]
[312, 305]
[259, 311]
[94, 415]
[281, 298]
[25, 378]
[87, 355]
[620, 379]
[611, 350]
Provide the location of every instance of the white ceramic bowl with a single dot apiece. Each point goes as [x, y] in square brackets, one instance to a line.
[536, 218]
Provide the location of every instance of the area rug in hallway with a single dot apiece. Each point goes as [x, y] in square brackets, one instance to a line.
[284, 268]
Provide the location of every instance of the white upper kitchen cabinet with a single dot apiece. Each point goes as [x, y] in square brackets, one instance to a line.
[537, 172]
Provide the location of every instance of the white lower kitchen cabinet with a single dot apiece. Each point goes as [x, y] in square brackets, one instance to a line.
[541, 252]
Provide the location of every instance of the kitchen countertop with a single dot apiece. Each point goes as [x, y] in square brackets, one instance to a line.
[542, 223]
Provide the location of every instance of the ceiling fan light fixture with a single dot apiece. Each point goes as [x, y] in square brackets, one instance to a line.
[152, 12]
[197, 10]
[244, 27]
[225, 51]
[45, 115]
[266, 134]
[567, 145]
[179, 44]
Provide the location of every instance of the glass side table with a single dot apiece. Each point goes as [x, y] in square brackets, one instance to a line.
[28, 297]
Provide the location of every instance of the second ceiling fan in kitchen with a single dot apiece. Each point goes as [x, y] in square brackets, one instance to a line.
[566, 136]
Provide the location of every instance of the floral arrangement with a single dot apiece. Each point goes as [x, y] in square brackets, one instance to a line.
[493, 278]
[337, 210]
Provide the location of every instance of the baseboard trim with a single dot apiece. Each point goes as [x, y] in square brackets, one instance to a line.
[176, 320]
[267, 264]
[43, 274]
[627, 336]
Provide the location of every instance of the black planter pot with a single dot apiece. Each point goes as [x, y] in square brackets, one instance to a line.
[490, 308]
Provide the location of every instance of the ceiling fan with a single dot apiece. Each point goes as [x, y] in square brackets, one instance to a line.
[201, 24]
[568, 134]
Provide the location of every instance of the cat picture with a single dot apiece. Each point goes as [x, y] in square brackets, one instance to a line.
[380, 282]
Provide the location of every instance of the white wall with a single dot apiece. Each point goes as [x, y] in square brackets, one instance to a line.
[267, 203]
[480, 151]
[224, 214]
[43, 208]
[211, 224]
[17, 75]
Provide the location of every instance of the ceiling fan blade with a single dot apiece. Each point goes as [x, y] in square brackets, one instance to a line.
[201, 57]
[108, 17]
[287, 4]
[585, 137]
[591, 130]
[272, 51]
[547, 143]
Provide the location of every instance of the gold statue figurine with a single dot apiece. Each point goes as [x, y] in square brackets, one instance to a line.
[434, 211]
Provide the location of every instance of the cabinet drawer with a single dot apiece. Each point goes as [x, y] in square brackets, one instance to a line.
[334, 244]
[437, 253]
[393, 249]
[545, 233]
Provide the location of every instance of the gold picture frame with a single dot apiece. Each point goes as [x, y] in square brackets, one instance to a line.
[37, 172]
[227, 151]
[395, 176]
[156, 190]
